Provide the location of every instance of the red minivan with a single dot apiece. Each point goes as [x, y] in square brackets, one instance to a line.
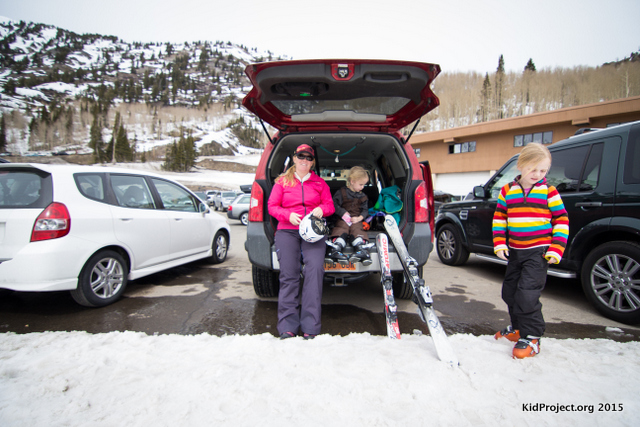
[353, 113]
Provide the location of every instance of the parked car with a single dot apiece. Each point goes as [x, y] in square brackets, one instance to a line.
[210, 196]
[201, 195]
[598, 176]
[90, 229]
[239, 208]
[223, 199]
[352, 113]
[441, 197]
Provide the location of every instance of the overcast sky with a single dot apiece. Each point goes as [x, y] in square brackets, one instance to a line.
[465, 35]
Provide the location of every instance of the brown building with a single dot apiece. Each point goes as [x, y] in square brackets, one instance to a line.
[469, 155]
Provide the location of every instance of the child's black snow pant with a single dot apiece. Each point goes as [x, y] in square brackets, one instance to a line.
[523, 284]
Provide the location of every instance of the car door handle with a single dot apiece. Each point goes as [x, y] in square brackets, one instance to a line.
[588, 204]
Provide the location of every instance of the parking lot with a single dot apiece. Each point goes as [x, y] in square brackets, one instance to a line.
[219, 299]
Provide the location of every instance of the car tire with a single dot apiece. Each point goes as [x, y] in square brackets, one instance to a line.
[244, 218]
[609, 276]
[449, 246]
[265, 283]
[220, 247]
[401, 288]
[102, 280]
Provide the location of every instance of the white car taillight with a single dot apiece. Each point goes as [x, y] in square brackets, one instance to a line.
[54, 222]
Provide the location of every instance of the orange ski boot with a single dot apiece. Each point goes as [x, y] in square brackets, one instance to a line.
[526, 347]
[508, 333]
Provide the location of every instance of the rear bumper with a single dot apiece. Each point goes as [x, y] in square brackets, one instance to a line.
[262, 252]
[45, 266]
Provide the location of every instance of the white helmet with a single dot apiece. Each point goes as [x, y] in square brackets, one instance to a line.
[312, 228]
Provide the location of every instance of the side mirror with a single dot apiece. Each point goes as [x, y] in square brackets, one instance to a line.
[202, 207]
[479, 192]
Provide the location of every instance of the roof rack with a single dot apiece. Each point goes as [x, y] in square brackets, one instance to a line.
[585, 130]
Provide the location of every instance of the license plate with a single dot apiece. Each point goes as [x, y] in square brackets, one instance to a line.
[336, 266]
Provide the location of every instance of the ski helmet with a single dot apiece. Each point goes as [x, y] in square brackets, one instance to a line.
[312, 228]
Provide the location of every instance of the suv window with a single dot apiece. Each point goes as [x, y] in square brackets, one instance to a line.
[503, 178]
[570, 173]
[632, 160]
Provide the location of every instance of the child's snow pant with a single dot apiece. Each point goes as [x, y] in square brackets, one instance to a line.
[523, 284]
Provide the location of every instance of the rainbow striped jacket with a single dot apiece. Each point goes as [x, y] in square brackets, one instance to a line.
[538, 219]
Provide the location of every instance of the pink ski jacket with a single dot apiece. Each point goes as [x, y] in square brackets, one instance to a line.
[302, 198]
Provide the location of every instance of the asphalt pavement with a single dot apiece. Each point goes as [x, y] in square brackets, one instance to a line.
[219, 300]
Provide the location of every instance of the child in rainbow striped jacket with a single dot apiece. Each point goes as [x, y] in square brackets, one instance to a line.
[532, 215]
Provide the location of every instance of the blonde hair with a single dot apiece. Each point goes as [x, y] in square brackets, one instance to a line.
[357, 173]
[288, 178]
[532, 154]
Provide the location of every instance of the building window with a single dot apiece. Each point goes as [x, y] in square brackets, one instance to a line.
[539, 137]
[517, 140]
[462, 147]
[417, 151]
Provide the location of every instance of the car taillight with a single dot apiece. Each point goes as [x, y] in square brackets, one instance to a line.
[230, 208]
[52, 223]
[256, 205]
[421, 203]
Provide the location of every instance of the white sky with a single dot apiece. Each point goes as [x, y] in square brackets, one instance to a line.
[460, 35]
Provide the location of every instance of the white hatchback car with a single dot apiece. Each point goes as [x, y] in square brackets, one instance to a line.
[90, 229]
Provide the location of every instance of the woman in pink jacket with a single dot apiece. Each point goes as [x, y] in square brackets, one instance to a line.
[296, 193]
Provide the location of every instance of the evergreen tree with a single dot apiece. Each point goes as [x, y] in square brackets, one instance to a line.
[95, 142]
[485, 95]
[499, 81]
[123, 151]
[529, 71]
[181, 157]
[204, 59]
[3, 135]
[530, 66]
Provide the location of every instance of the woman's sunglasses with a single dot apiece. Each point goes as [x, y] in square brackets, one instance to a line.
[304, 157]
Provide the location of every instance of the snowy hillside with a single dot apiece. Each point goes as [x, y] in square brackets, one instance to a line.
[54, 80]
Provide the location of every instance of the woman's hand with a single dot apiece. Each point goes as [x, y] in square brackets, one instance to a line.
[317, 212]
[503, 255]
[357, 219]
[295, 218]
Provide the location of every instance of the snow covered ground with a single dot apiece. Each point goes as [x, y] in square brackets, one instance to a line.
[116, 379]
[133, 379]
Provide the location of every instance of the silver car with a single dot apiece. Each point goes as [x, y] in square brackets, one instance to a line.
[223, 199]
[239, 208]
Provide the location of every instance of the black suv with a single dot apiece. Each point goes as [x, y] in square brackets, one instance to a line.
[598, 176]
[352, 113]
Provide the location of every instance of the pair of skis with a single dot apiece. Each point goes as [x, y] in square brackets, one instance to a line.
[421, 292]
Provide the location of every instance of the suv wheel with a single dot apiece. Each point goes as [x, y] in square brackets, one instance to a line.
[449, 245]
[401, 288]
[610, 279]
[102, 280]
[265, 283]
